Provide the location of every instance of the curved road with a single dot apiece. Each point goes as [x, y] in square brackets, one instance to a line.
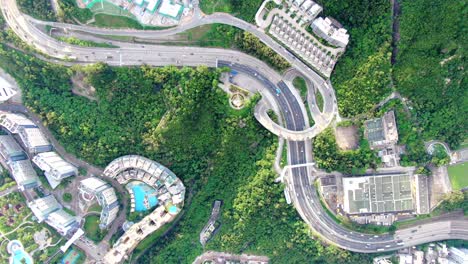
[299, 182]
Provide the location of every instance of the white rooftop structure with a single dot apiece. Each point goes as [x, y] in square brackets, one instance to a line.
[34, 140]
[49, 210]
[314, 10]
[10, 150]
[93, 184]
[378, 194]
[24, 174]
[152, 5]
[458, 255]
[44, 206]
[6, 91]
[72, 240]
[325, 29]
[13, 122]
[298, 2]
[106, 197]
[171, 9]
[306, 5]
[61, 221]
[55, 168]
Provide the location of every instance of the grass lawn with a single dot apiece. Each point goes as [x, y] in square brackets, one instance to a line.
[95, 208]
[458, 175]
[319, 100]
[109, 21]
[92, 229]
[301, 86]
[211, 6]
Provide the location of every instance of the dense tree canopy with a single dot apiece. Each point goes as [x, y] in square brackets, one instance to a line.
[330, 158]
[431, 66]
[179, 118]
[40, 9]
[362, 74]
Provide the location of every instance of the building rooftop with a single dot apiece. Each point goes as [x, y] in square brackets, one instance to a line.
[24, 174]
[60, 218]
[93, 185]
[334, 35]
[55, 167]
[422, 195]
[152, 5]
[13, 122]
[171, 9]
[10, 149]
[106, 197]
[377, 194]
[33, 137]
[44, 206]
[381, 132]
[6, 92]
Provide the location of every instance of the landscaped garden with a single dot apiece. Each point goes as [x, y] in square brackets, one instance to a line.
[67, 197]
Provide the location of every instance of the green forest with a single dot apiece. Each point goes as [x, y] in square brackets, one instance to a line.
[245, 10]
[40, 9]
[330, 158]
[431, 65]
[180, 118]
[362, 75]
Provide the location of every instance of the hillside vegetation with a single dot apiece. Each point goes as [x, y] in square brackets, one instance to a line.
[431, 66]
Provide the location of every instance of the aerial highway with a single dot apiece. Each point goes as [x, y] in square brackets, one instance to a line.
[299, 181]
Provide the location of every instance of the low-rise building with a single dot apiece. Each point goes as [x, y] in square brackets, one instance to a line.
[10, 150]
[381, 132]
[55, 168]
[378, 194]
[382, 135]
[6, 93]
[13, 122]
[24, 174]
[458, 255]
[171, 9]
[422, 194]
[34, 140]
[331, 31]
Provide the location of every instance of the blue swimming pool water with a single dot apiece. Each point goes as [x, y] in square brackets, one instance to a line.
[173, 209]
[143, 192]
[20, 255]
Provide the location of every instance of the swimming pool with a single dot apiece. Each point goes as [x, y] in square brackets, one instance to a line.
[18, 255]
[144, 196]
